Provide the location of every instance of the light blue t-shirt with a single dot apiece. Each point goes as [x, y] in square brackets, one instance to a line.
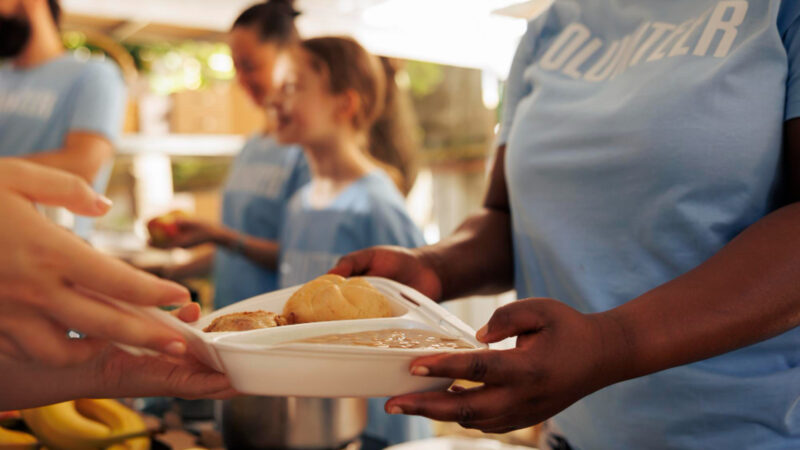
[642, 136]
[263, 178]
[41, 105]
[367, 213]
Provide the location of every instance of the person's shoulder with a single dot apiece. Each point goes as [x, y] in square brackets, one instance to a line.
[381, 190]
[788, 16]
[102, 70]
[91, 68]
[264, 146]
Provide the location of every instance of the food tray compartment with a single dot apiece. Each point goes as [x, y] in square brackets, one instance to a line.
[260, 362]
[269, 364]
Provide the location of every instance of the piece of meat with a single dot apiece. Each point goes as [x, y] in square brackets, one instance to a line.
[248, 320]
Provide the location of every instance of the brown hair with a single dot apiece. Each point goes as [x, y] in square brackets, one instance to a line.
[348, 66]
[394, 137]
[273, 20]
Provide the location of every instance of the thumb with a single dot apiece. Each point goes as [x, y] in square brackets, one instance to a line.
[524, 316]
[357, 263]
[53, 187]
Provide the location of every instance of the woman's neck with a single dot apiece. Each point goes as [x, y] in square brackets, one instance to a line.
[43, 45]
[334, 165]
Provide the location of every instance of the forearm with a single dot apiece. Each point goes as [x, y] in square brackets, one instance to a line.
[200, 265]
[27, 385]
[86, 168]
[477, 259]
[261, 251]
[746, 293]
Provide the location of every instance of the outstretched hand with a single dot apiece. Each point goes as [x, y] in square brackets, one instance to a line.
[561, 356]
[410, 267]
[45, 272]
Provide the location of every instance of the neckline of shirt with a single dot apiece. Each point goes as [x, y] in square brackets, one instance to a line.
[306, 192]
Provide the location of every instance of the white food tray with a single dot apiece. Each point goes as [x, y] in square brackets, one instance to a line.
[264, 362]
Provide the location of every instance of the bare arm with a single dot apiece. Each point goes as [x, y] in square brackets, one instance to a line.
[82, 154]
[746, 293]
[200, 265]
[261, 251]
[192, 233]
[478, 257]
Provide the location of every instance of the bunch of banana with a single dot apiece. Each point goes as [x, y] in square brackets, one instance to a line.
[123, 421]
[16, 440]
[88, 424]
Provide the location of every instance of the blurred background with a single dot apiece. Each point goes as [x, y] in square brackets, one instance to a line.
[187, 118]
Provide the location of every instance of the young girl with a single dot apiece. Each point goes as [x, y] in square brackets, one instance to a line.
[331, 93]
[266, 174]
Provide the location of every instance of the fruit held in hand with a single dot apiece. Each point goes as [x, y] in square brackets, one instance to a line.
[164, 228]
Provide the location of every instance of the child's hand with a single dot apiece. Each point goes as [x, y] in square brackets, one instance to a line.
[42, 265]
[188, 233]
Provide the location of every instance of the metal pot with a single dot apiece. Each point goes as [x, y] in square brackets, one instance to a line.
[291, 422]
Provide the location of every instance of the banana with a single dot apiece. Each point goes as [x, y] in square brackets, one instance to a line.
[122, 421]
[16, 440]
[61, 427]
[140, 443]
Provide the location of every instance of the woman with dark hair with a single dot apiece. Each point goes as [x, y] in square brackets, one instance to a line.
[264, 175]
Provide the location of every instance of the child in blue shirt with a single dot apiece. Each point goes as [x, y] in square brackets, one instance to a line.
[331, 92]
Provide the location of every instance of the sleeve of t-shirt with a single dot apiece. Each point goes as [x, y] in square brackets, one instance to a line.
[392, 226]
[516, 88]
[789, 26]
[99, 104]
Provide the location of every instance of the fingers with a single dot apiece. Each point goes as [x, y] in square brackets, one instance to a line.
[524, 316]
[10, 350]
[100, 320]
[357, 263]
[43, 341]
[472, 406]
[188, 313]
[54, 187]
[116, 279]
[488, 366]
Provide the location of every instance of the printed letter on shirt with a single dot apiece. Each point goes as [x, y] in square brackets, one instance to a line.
[606, 65]
[680, 48]
[661, 50]
[567, 43]
[586, 52]
[659, 28]
[627, 53]
[729, 27]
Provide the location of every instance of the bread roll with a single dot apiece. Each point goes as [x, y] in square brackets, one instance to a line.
[331, 297]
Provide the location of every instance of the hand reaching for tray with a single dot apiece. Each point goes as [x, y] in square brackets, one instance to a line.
[42, 265]
[112, 373]
[411, 267]
[561, 356]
